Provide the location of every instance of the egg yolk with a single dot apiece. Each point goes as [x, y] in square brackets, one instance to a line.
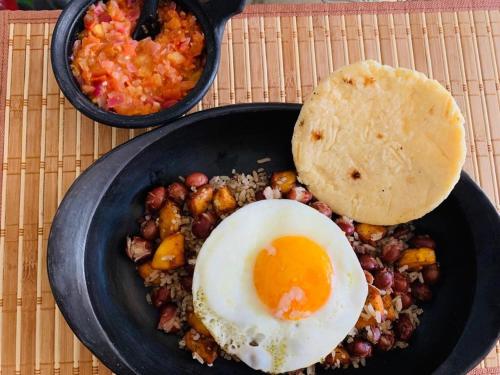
[293, 277]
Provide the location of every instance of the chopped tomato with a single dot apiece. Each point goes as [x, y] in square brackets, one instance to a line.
[137, 77]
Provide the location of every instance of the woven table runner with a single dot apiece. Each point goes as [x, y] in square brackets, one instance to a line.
[272, 53]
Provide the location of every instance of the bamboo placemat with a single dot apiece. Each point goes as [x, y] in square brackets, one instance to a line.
[271, 53]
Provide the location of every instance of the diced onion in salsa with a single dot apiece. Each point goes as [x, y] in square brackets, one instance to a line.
[132, 77]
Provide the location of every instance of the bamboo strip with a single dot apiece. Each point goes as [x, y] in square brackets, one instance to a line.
[468, 115]
[96, 140]
[223, 84]
[395, 27]
[443, 49]
[5, 168]
[280, 58]
[377, 37]
[352, 36]
[426, 45]
[369, 49]
[296, 54]
[237, 54]
[248, 73]
[328, 43]
[409, 38]
[360, 37]
[41, 193]
[95, 365]
[345, 44]
[384, 39]
[113, 136]
[229, 32]
[271, 68]
[392, 33]
[312, 48]
[320, 50]
[265, 79]
[22, 177]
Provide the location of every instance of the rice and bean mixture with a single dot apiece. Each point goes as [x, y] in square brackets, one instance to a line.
[400, 266]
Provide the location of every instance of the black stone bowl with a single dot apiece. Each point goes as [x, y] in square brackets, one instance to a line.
[103, 299]
[211, 15]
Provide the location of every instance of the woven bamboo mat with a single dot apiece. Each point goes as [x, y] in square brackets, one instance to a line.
[271, 53]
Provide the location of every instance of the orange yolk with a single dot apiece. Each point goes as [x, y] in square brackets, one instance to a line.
[293, 276]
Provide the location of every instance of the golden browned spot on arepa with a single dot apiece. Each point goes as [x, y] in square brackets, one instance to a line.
[316, 135]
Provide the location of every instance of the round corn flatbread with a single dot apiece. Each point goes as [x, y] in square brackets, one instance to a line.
[378, 144]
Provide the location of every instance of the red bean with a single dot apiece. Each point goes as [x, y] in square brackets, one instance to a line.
[203, 224]
[383, 279]
[347, 228]
[400, 283]
[169, 321]
[323, 208]
[196, 179]
[391, 251]
[404, 327]
[156, 198]
[160, 296]
[368, 262]
[149, 230]
[386, 342]
[360, 348]
[431, 274]
[421, 292]
[138, 248]
[423, 241]
[177, 192]
[406, 300]
[300, 194]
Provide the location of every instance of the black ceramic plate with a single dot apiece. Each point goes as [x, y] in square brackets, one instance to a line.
[103, 299]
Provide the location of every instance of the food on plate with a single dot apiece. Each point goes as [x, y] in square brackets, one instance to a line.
[416, 259]
[378, 144]
[132, 77]
[287, 274]
[170, 253]
[234, 281]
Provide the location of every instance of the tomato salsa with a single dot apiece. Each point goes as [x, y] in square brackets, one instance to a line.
[132, 77]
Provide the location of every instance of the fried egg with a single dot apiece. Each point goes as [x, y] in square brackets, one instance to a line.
[278, 285]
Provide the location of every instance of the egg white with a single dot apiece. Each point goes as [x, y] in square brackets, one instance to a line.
[227, 302]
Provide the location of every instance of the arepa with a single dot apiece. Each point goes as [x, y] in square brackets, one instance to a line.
[379, 144]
